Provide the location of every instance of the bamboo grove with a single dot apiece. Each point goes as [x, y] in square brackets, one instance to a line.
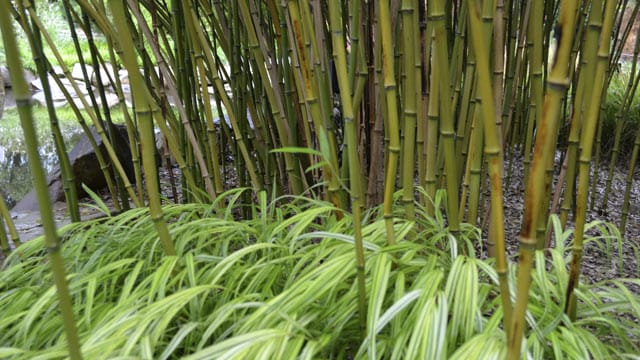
[358, 103]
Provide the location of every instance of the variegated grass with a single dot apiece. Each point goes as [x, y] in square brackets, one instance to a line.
[281, 285]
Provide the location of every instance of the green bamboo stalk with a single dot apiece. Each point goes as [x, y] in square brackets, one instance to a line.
[433, 113]
[274, 96]
[514, 67]
[313, 31]
[189, 131]
[534, 37]
[5, 249]
[273, 166]
[89, 111]
[595, 175]
[492, 150]
[629, 183]
[474, 167]
[544, 149]
[355, 56]
[95, 13]
[6, 216]
[172, 90]
[68, 178]
[421, 136]
[392, 128]
[52, 241]
[587, 70]
[466, 114]
[355, 182]
[462, 68]
[2, 96]
[410, 109]
[112, 131]
[498, 68]
[374, 106]
[447, 132]
[313, 96]
[627, 100]
[143, 109]
[586, 143]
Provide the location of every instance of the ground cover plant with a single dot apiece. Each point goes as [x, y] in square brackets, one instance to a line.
[382, 131]
[282, 284]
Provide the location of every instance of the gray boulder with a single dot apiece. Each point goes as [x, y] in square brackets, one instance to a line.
[86, 168]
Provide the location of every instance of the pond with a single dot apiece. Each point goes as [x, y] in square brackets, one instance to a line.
[15, 174]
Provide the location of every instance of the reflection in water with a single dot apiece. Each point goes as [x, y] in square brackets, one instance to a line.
[15, 175]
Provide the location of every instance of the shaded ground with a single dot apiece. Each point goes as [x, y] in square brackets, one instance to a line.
[600, 259]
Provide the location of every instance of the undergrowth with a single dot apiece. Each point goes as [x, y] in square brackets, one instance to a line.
[281, 285]
[613, 114]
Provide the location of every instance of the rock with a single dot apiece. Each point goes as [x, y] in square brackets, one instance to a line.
[57, 93]
[4, 77]
[104, 77]
[4, 73]
[112, 100]
[86, 168]
[76, 71]
[123, 75]
[58, 71]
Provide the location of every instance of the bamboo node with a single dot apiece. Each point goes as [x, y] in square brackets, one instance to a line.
[53, 248]
[23, 102]
[558, 85]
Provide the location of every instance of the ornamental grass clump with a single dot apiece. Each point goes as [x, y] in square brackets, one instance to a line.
[282, 285]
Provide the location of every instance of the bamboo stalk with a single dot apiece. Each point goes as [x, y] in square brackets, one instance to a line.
[90, 112]
[273, 93]
[492, 150]
[447, 133]
[557, 83]
[629, 183]
[627, 100]
[6, 216]
[410, 108]
[587, 70]
[534, 38]
[143, 109]
[586, 143]
[355, 182]
[68, 178]
[313, 97]
[392, 128]
[431, 147]
[51, 239]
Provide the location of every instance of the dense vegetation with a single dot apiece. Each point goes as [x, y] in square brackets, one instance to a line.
[372, 126]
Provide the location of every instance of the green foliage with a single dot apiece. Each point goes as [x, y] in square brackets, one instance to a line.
[613, 114]
[282, 285]
[51, 14]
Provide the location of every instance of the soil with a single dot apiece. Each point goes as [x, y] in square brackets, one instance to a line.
[601, 258]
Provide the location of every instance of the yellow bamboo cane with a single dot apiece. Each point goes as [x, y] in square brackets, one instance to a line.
[557, 84]
[447, 133]
[492, 149]
[586, 142]
[410, 109]
[392, 126]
